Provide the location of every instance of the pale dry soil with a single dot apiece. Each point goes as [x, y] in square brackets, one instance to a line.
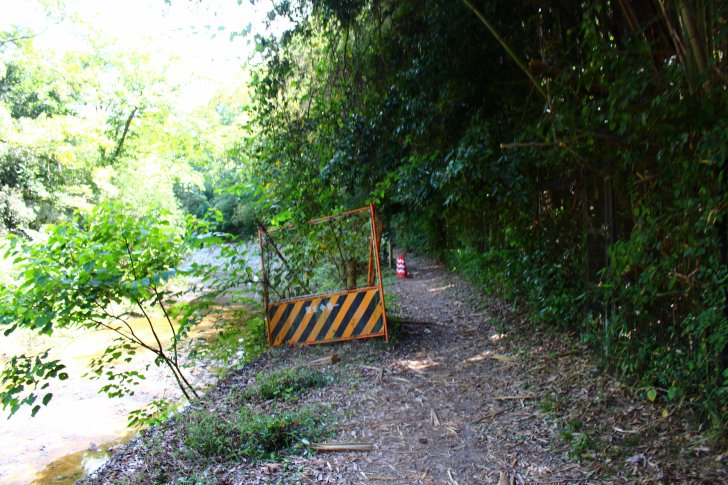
[468, 393]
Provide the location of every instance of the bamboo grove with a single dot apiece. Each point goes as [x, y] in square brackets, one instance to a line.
[568, 156]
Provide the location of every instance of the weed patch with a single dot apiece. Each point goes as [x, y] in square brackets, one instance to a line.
[253, 434]
[580, 440]
[285, 384]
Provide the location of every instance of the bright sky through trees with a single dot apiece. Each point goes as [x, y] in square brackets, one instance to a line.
[194, 39]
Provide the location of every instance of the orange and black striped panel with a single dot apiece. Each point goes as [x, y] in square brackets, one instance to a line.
[326, 318]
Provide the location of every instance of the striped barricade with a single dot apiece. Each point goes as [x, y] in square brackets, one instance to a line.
[327, 318]
[324, 317]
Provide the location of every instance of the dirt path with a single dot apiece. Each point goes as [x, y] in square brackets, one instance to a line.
[449, 406]
[465, 396]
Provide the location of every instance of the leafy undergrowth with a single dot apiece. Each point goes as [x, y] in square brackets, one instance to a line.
[212, 437]
[244, 430]
[285, 383]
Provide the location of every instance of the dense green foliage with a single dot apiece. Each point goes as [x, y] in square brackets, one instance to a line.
[99, 122]
[43, 146]
[588, 187]
[93, 272]
[96, 272]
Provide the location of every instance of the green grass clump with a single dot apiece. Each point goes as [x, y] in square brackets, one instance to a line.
[210, 435]
[252, 434]
[582, 443]
[285, 383]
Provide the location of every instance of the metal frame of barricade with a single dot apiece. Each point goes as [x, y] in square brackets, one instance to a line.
[332, 316]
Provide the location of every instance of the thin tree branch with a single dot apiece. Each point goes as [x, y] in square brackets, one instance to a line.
[15, 40]
[505, 46]
[343, 275]
[101, 323]
[169, 321]
[134, 336]
[124, 134]
[173, 366]
[282, 258]
[536, 144]
[176, 371]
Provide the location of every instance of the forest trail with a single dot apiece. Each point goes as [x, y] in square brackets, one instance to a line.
[453, 402]
[465, 395]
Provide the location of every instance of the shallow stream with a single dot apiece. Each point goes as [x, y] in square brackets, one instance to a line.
[72, 435]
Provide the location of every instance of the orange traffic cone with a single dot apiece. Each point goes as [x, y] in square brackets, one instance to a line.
[401, 267]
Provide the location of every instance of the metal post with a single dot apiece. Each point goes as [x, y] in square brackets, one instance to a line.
[264, 277]
[379, 271]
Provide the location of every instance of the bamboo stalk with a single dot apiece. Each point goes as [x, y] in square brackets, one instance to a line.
[343, 446]
[538, 144]
[505, 46]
